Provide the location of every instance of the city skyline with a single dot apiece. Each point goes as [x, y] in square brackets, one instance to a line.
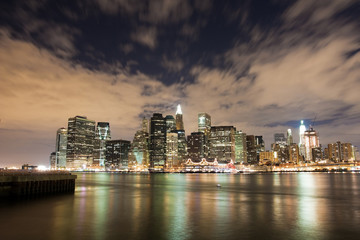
[258, 65]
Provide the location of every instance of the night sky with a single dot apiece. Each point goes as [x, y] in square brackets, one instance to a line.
[260, 66]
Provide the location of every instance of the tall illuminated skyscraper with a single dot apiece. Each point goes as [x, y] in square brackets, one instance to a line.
[204, 126]
[60, 149]
[179, 119]
[311, 140]
[172, 150]
[80, 142]
[240, 147]
[302, 130]
[101, 136]
[157, 147]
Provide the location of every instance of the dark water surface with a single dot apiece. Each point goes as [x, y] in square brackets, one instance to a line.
[190, 206]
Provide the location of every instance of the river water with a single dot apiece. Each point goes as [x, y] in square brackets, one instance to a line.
[191, 206]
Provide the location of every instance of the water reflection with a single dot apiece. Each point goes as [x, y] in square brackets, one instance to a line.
[190, 206]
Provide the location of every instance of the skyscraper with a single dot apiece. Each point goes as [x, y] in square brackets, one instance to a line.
[179, 119]
[80, 142]
[139, 152]
[170, 123]
[311, 140]
[182, 152]
[157, 147]
[172, 150]
[117, 154]
[280, 139]
[259, 146]
[196, 146]
[289, 137]
[341, 152]
[60, 149]
[302, 130]
[251, 149]
[222, 143]
[101, 136]
[145, 125]
[240, 147]
[204, 126]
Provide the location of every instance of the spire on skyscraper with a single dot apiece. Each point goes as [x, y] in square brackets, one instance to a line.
[178, 110]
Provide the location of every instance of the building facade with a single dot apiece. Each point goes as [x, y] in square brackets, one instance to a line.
[196, 146]
[80, 142]
[157, 145]
[117, 155]
[60, 148]
[222, 143]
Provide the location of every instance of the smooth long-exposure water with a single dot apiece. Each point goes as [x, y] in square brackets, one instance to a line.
[191, 206]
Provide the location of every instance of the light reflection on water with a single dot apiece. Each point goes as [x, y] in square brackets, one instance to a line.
[191, 206]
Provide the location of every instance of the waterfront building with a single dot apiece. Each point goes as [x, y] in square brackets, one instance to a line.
[240, 147]
[139, 151]
[317, 154]
[268, 157]
[157, 147]
[196, 146]
[222, 143]
[340, 152]
[289, 137]
[302, 130]
[60, 148]
[311, 140]
[204, 126]
[294, 155]
[172, 150]
[282, 152]
[80, 142]
[179, 119]
[102, 135]
[251, 149]
[259, 145]
[52, 161]
[117, 155]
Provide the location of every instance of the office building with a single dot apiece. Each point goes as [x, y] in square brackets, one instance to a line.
[139, 152]
[60, 148]
[302, 130]
[157, 146]
[204, 126]
[170, 123]
[179, 119]
[172, 150]
[289, 137]
[196, 146]
[311, 140]
[222, 143]
[251, 149]
[280, 139]
[240, 147]
[340, 152]
[117, 155]
[80, 142]
[102, 135]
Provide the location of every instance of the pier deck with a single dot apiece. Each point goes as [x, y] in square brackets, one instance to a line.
[27, 183]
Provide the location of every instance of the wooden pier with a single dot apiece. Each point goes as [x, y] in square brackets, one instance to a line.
[32, 183]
